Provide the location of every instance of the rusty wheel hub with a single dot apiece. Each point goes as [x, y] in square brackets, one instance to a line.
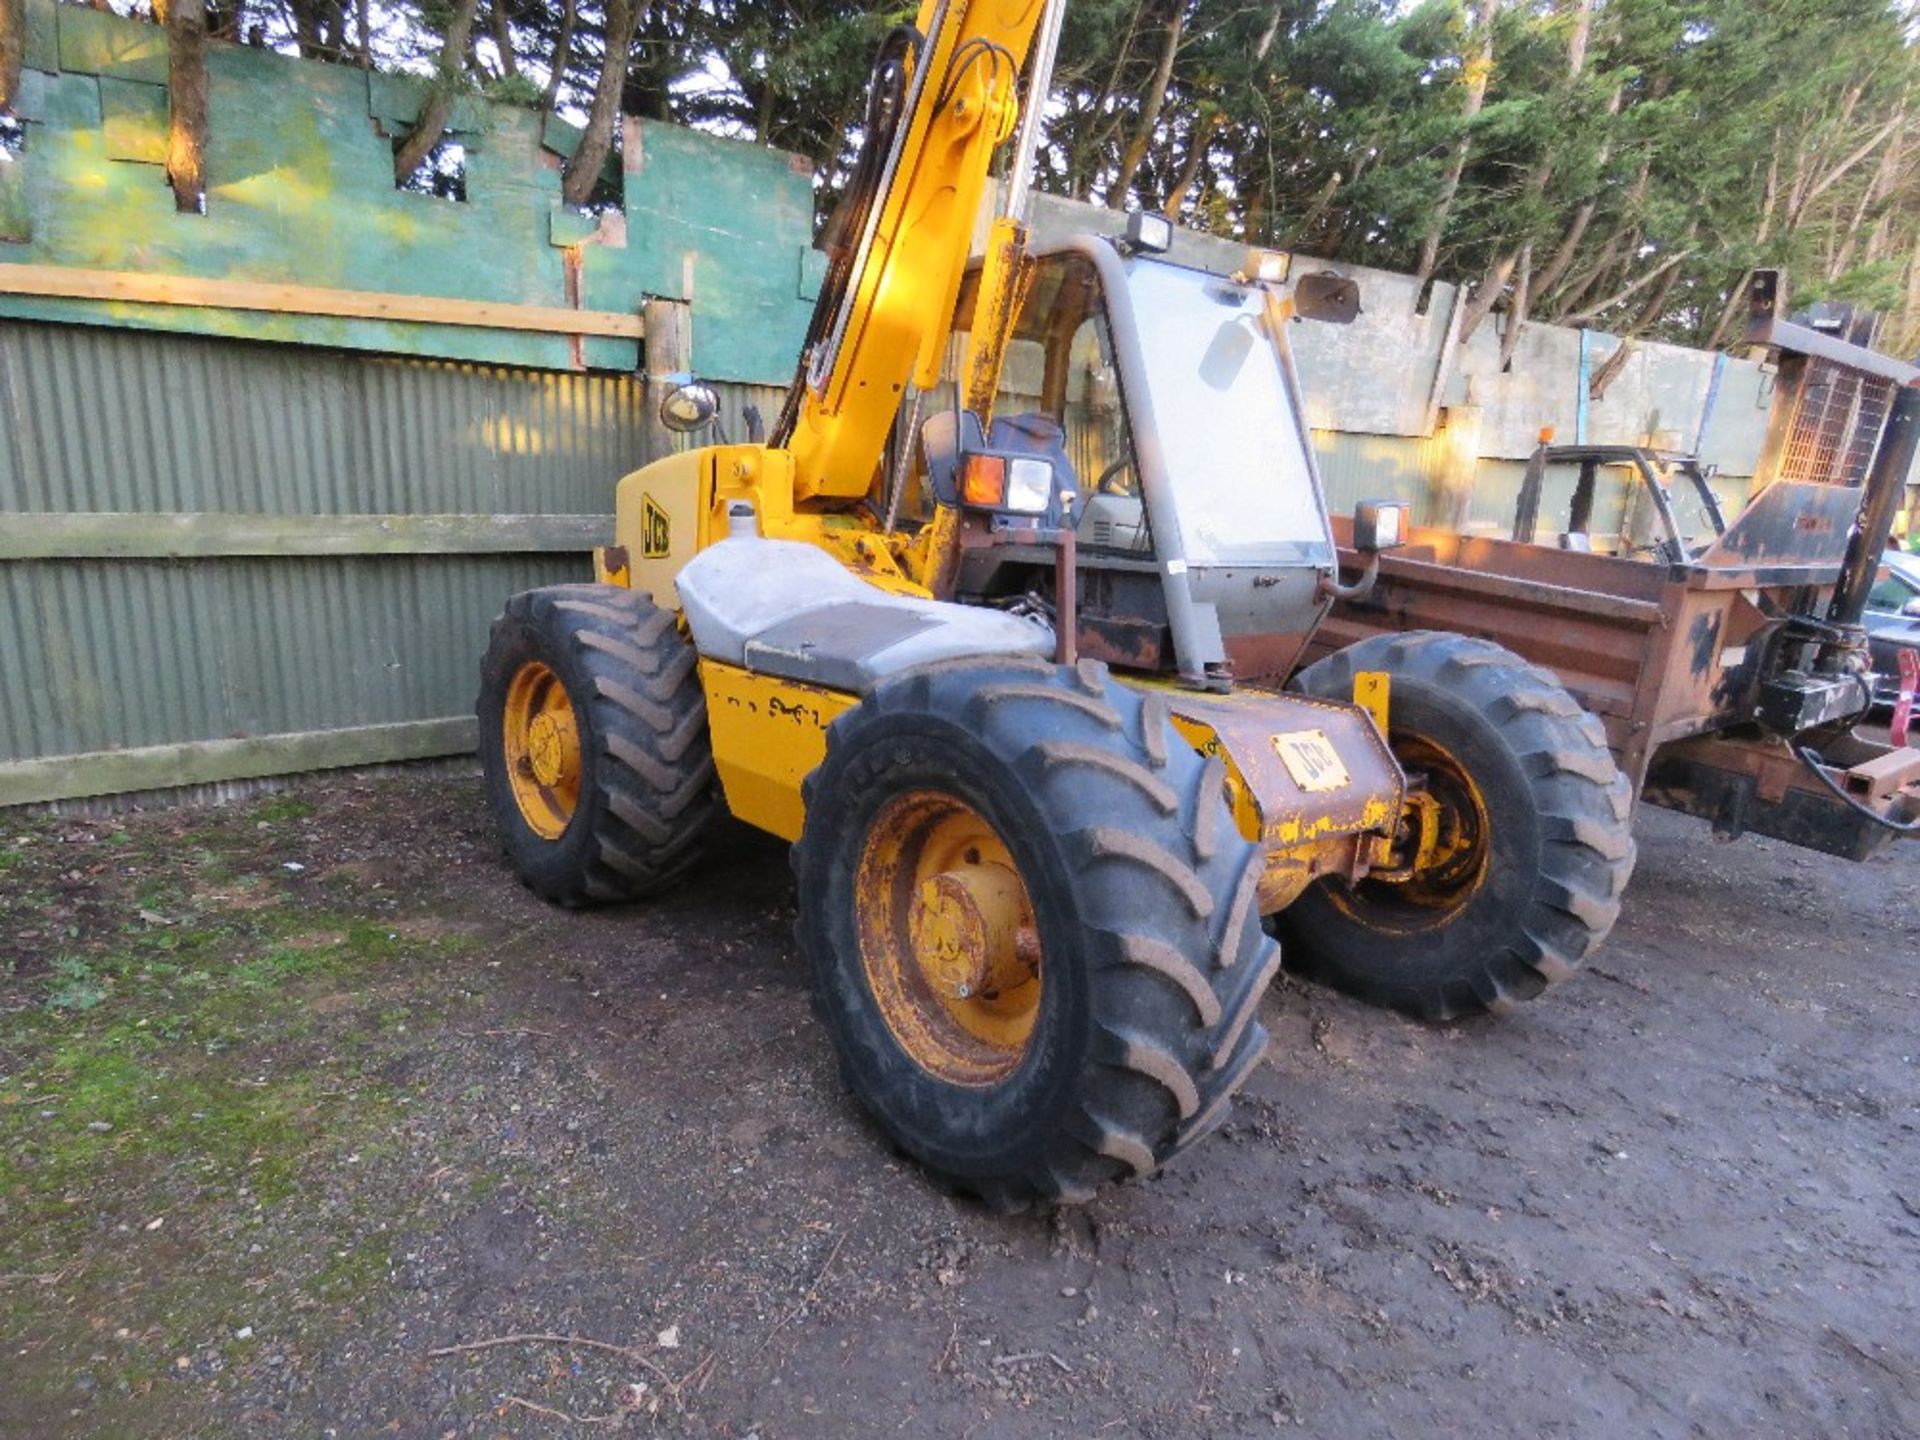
[947, 938]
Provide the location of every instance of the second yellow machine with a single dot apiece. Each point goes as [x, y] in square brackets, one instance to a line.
[974, 629]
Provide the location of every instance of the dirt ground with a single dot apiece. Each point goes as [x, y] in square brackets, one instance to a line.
[299, 1096]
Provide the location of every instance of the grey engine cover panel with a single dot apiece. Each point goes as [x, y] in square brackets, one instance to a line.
[780, 607]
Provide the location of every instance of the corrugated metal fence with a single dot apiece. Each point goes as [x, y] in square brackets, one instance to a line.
[222, 560]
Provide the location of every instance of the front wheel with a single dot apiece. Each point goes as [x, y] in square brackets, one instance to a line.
[1032, 927]
[593, 739]
[1514, 848]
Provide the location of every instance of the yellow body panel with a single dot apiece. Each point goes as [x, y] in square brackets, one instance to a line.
[656, 520]
[668, 512]
[1372, 692]
[768, 736]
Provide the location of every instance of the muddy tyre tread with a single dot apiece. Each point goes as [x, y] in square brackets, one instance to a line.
[649, 800]
[1581, 805]
[1174, 967]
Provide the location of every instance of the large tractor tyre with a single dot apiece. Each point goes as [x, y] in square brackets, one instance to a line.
[593, 737]
[1528, 844]
[1032, 927]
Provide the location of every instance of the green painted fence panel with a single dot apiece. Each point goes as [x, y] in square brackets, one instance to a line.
[132, 670]
[43, 36]
[742, 294]
[301, 191]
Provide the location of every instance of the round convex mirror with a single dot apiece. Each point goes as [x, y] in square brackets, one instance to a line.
[688, 407]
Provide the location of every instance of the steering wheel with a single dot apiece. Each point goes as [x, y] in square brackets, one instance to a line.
[1105, 484]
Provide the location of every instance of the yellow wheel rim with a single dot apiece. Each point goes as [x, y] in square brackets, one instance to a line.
[1440, 855]
[541, 736]
[947, 938]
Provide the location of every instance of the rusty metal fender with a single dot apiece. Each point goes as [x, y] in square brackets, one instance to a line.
[1310, 780]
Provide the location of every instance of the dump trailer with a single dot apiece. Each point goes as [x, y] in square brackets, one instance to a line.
[987, 669]
[1726, 663]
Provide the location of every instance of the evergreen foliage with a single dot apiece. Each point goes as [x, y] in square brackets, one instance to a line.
[1625, 163]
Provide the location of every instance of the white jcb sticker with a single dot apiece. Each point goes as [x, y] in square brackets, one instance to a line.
[1311, 760]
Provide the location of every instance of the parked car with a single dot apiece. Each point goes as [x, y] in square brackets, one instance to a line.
[1893, 621]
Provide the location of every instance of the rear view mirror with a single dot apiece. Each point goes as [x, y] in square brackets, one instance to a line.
[689, 406]
[1380, 525]
[1326, 296]
[1912, 608]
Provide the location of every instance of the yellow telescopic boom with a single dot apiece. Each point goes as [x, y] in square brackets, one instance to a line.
[895, 313]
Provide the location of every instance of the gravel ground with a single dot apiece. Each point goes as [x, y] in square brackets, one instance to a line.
[385, 1104]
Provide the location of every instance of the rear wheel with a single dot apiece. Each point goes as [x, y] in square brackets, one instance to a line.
[1031, 925]
[593, 738]
[1515, 845]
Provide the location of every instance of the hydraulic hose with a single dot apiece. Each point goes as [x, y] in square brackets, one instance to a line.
[1804, 754]
[886, 108]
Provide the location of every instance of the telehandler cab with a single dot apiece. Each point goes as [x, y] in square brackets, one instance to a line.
[996, 691]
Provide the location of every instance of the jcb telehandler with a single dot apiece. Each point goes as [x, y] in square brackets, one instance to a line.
[998, 694]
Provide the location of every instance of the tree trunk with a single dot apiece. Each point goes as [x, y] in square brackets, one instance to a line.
[583, 169]
[503, 37]
[1583, 217]
[1480, 303]
[1627, 291]
[1886, 183]
[1576, 288]
[1517, 312]
[763, 113]
[1300, 237]
[1255, 221]
[1736, 297]
[1838, 171]
[1656, 304]
[1156, 100]
[1602, 379]
[1081, 171]
[562, 56]
[1905, 336]
[13, 49]
[1477, 71]
[432, 123]
[186, 22]
[1501, 271]
[1196, 157]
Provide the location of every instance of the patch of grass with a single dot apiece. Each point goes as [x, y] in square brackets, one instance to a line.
[282, 808]
[229, 1064]
[75, 986]
[193, 1049]
[351, 1272]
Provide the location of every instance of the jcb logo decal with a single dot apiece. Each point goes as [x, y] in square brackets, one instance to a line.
[656, 531]
[1311, 760]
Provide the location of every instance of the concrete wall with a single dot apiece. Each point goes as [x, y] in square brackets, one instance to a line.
[1378, 390]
